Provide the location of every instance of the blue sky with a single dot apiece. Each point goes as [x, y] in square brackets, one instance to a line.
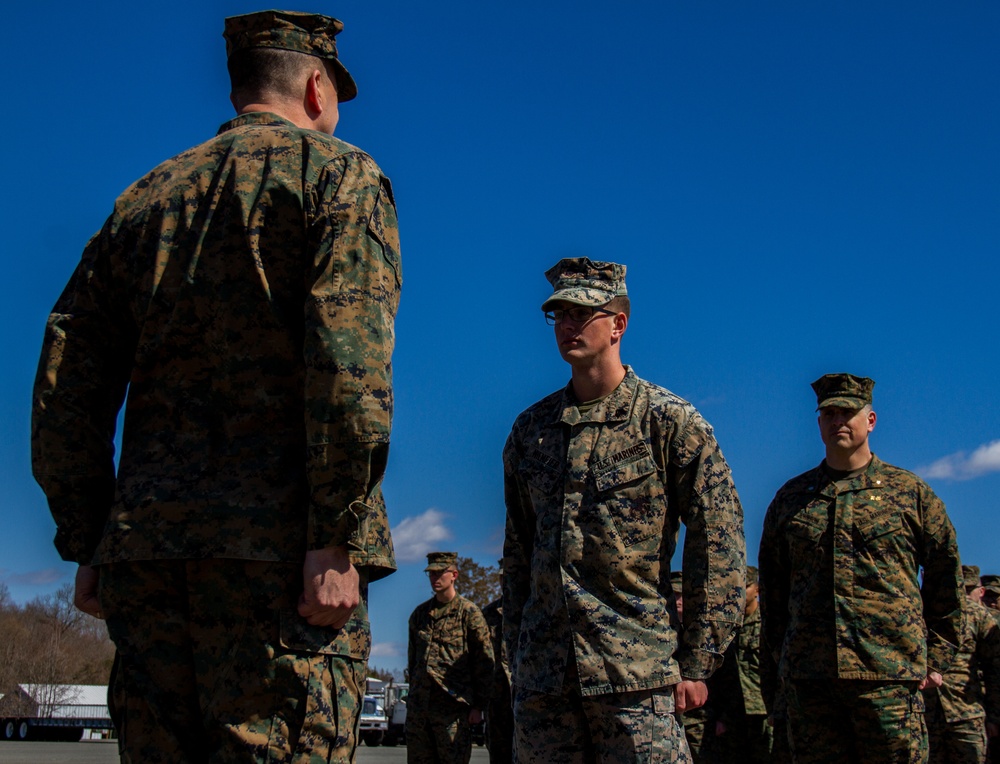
[796, 188]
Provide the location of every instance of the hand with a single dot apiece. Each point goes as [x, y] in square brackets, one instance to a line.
[330, 587]
[932, 681]
[85, 591]
[720, 728]
[689, 695]
[475, 716]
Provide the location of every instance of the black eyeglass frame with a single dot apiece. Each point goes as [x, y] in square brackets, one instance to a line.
[583, 314]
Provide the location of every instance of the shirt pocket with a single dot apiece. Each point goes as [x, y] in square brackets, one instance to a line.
[634, 499]
[877, 539]
[805, 541]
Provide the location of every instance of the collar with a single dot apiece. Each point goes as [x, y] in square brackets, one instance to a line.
[871, 479]
[614, 407]
[262, 118]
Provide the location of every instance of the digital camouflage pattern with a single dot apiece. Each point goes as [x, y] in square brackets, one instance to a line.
[839, 574]
[735, 699]
[583, 281]
[843, 390]
[856, 721]
[845, 613]
[450, 660]
[957, 711]
[244, 294]
[594, 506]
[214, 664]
[571, 728]
[499, 715]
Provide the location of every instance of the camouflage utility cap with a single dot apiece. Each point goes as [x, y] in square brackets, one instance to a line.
[308, 33]
[751, 575]
[582, 281]
[441, 560]
[991, 583]
[970, 575]
[843, 390]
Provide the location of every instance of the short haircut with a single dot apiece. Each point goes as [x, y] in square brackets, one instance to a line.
[620, 304]
[256, 72]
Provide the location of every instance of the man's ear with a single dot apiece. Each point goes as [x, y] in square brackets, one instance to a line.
[314, 101]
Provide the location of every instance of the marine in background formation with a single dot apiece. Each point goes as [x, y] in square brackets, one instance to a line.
[499, 716]
[450, 660]
[240, 302]
[738, 725]
[855, 629]
[598, 477]
[967, 703]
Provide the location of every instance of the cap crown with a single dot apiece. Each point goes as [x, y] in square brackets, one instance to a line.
[441, 560]
[583, 281]
[843, 390]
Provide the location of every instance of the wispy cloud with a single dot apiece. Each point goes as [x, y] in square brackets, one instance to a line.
[387, 650]
[414, 537]
[963, 466]
[43, 577]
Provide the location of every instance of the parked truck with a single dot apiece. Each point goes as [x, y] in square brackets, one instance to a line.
[54, 712]
[395, 710]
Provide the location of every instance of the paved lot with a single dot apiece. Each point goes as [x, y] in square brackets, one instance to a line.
[103, 752]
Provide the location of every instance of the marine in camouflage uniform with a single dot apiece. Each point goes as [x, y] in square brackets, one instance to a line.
[598, 478]
[243, 295]
[695, 721]
[499, 715]
[450, 659]
[843, 604]
[959, 710]
[736, 706]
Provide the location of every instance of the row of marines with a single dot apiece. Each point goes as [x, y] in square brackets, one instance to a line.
[240, 302]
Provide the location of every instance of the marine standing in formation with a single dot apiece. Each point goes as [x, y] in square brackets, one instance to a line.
[854, 628]
[499, 717]
[450, 660]
[738, 717]
[598, 477]
[967, 703]
[243, 293]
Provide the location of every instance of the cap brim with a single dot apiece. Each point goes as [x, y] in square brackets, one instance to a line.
[347, 88]
[842, 403]
[590, 297]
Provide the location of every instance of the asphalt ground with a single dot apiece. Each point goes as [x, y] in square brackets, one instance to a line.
[106, 752]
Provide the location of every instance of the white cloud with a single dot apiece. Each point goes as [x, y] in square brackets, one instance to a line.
[414, 537]
[43, 577]
[962, 466]
[387, 650]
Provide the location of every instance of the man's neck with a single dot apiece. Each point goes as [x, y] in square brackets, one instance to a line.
[595, 382]
[446, 596]
[850, 460]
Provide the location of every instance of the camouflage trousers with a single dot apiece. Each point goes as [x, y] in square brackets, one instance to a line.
[961, 742]
[695, 724]
[214, 665]
[500, 726]
[621, 728]
[747, 739]
[781, 752]
[845, 721]
[437, 728]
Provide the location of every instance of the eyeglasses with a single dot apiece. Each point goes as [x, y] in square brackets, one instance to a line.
[578, 314]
